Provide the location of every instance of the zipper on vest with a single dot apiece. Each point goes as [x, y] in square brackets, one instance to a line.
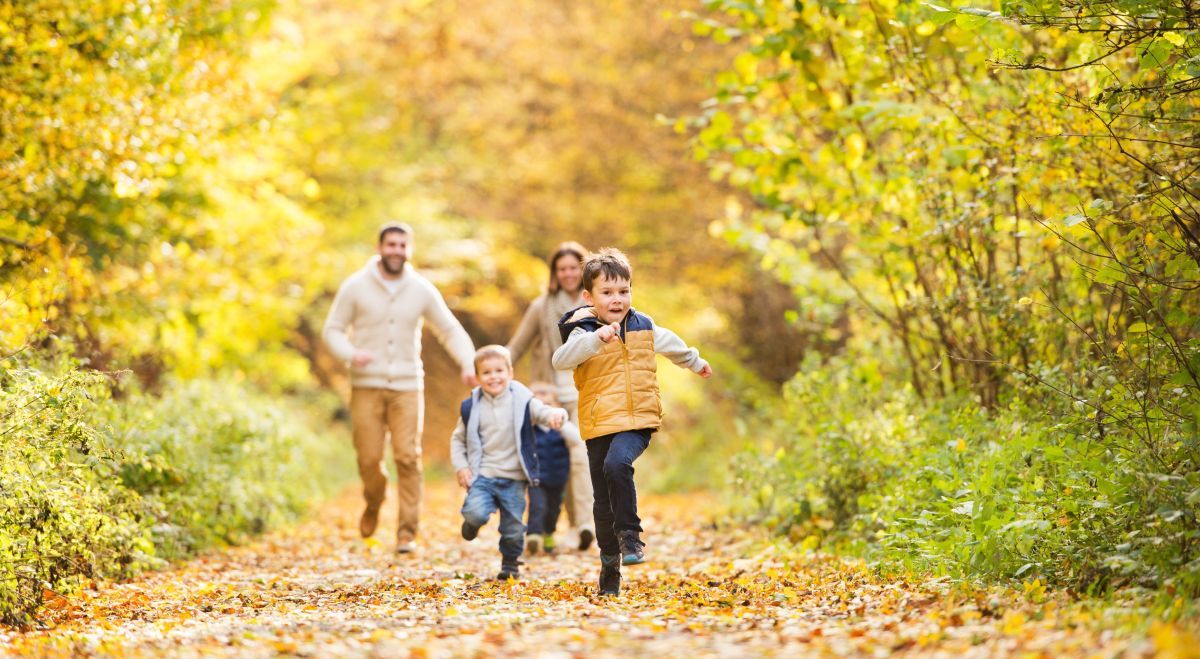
[628, 372]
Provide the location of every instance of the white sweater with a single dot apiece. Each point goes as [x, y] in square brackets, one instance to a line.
[367, 316]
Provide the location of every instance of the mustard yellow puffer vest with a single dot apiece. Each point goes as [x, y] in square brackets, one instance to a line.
[618, 388]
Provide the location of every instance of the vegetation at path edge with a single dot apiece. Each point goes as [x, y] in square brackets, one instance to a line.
[990, 216]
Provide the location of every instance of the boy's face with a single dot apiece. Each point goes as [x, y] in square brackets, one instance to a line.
[494, 375]
[610, 297]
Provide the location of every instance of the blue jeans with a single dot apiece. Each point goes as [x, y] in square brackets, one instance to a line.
[615, 509]
[489, 494]
[544, 505]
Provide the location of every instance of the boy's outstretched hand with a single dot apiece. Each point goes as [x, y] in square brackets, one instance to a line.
[609, 332]
[557, 418]
[705, 372]
[465, 477]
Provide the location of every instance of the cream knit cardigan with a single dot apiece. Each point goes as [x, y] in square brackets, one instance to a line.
[366, 316]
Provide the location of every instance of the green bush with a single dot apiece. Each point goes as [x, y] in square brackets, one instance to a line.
[97, 487]
[1021, 492]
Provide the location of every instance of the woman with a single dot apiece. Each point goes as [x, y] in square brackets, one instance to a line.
[538, 333]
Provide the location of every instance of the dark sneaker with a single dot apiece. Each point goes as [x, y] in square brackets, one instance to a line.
[533, 544]
[369, 521]
[509, 571]
[633, 550]
[586, 538]
[610, 574]
[469, 532]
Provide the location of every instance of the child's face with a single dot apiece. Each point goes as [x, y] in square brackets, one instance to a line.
[610, 297]
[494, 375]
[546, 395]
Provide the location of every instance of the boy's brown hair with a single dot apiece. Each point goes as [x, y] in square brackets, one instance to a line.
[493, 352]
[609, 262]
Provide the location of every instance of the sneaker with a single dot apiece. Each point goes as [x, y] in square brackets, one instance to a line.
[610, 574]
[633, 550]
[509, 570]
[469, 532]
[533, 544]
[369, 521]
[586, 538]
[406, 547]
[548, 544]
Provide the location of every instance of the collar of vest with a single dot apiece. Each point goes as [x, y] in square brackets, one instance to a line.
[585, 317]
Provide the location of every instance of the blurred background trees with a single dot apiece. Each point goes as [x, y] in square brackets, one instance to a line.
[944, 259]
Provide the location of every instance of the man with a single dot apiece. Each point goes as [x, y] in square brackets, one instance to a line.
[375, 324]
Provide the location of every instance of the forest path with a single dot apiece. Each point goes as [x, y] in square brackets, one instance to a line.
[318, 590]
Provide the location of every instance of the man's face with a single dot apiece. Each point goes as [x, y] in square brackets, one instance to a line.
[610, 297]
[394, 250]
[494, 375]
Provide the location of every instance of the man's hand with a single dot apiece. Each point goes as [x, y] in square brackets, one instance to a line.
[609, 332]
[557, 418]
[705, 372]
[468, 377]
[465, 477]
[362, 358]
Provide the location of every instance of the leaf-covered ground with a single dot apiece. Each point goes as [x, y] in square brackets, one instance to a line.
[319, 590]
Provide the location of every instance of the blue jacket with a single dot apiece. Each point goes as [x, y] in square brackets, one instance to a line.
[524, 427]
[554, 459]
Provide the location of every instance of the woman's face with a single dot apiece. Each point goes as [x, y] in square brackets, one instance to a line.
[569, 272]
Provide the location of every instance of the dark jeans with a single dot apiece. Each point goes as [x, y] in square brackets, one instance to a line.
[610, 458]
[488, 494]
[545, 502]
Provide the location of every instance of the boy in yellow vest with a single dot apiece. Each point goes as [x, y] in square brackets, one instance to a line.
[611, 348]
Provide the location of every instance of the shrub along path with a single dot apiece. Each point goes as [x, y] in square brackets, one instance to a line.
[318, 590]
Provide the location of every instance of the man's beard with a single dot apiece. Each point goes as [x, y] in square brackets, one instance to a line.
[386, 262]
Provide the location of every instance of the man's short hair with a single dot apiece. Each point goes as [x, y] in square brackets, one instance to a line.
[493, 352]
[394, 227]
[609, 262]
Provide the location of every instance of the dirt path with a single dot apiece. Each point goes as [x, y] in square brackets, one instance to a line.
[318, 590]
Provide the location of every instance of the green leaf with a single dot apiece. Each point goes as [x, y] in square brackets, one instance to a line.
[1072, 220]
[1154, 54]
[969, 22]
[940, 15]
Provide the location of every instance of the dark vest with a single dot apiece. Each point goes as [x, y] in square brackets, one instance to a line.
[527, 441]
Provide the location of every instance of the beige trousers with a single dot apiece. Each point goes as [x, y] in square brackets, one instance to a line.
[578, 495]
[374, 415]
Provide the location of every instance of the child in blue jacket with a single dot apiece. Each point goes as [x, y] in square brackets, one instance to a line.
[554, 462]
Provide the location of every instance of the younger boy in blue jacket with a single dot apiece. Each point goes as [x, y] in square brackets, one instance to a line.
[554, 459]
[494, 452]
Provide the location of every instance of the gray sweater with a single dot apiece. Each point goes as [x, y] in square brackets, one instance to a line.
[366, 315]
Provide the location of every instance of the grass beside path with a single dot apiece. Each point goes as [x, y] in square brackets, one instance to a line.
[318, 590]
